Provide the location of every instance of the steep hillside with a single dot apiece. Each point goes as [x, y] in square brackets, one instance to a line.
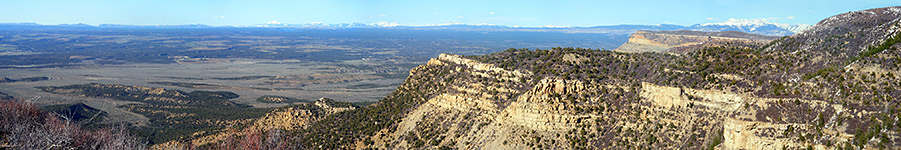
[680, 42]
[843, 39]
[733, 95]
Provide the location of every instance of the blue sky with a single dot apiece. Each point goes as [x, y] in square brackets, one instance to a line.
[425, 12]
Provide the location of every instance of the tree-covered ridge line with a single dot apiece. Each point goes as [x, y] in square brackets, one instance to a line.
[28, 79]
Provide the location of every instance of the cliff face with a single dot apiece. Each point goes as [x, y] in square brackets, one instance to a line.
[493, 114]
[680, 42]
[461, 114]
[554, 112]
[551, 112]
[472, 117]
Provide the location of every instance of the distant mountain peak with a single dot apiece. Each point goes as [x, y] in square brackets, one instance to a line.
[756, 26]
[385, 24]
[741, 22]
[461, 24]
[554, 26]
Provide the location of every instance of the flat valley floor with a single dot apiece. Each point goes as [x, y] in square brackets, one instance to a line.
[351, 81]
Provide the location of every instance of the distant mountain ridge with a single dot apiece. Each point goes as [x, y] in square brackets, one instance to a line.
[755, 26]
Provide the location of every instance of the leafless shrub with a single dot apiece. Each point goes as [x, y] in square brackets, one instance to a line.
[24, 126]
[251, 139]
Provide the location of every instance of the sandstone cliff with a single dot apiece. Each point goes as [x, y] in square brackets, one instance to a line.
[680, 42]
[539, 117]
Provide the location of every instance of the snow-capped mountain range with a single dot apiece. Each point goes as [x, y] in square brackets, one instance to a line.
[755, 26]
[757, 23]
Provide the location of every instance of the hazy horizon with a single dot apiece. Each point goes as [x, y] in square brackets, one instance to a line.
[418, 13]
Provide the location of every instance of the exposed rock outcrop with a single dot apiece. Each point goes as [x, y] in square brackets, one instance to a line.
[287, 118]
[295, 117]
